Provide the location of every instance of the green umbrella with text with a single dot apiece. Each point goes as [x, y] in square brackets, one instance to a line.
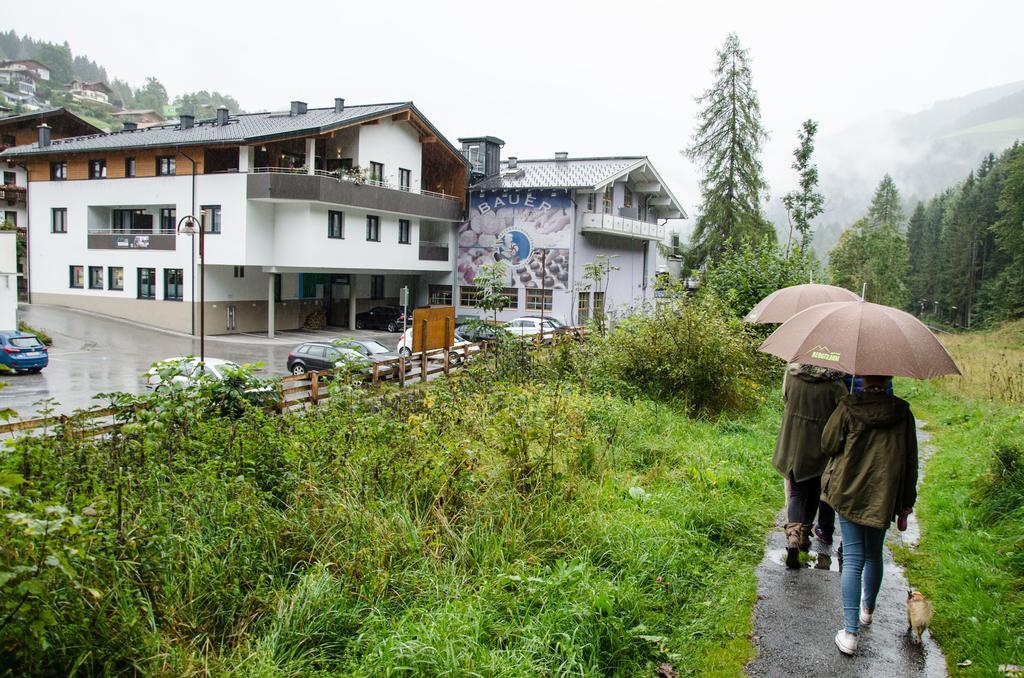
[858, 337]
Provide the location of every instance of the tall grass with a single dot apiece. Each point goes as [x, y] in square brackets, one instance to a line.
[971, 557]
[478, 526]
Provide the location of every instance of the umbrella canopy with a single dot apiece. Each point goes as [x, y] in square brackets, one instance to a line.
[781, 305]
[858, 337]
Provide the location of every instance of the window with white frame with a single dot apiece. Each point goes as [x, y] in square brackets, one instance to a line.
[583, 308]
[404, 179]
[468, 295]
[538, 299]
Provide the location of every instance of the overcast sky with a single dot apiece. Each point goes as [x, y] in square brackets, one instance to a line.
[590, 78]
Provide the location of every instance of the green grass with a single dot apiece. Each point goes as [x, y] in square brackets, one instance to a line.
[970, 561]
[475, 527]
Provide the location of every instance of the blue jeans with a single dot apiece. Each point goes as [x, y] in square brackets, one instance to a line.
[862, 569]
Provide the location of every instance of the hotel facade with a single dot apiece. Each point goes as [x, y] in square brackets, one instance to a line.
[323, 213]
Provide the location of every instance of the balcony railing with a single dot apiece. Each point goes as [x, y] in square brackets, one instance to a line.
[12, 194]
[277, 184]
[109, 239]
[342, 176]
[433, 251]
[594, 222]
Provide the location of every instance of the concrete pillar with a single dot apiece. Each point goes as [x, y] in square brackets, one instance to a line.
[352, 301]
[270, 304]
[244, 160]
[311, 155]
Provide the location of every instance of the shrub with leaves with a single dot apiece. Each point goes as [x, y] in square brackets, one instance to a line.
[742, 276]
[689, 350]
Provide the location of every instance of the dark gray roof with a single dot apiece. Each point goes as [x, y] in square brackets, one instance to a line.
[42, 115]
[241, 128]
[550, 173]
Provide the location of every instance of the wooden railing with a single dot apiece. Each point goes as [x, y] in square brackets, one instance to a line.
[311, 388]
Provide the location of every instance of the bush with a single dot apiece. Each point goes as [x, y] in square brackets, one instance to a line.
[689, 350]
[743, 276]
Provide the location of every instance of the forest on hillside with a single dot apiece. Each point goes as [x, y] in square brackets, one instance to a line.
[958, 258]
[66, 66]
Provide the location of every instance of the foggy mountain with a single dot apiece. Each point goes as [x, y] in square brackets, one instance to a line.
[925, 153]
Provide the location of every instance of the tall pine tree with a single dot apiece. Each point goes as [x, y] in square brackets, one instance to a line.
[886, 209]
[728, 144]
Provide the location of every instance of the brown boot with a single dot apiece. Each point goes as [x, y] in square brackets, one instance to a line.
[793, 531]
[805, 536]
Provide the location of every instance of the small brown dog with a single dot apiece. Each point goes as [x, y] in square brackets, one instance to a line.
[919, 614]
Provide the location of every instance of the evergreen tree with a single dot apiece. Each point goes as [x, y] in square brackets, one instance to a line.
[58, 59]
[807, 203]
[875, 256]
[886, 209]
[727, 144]
[1008, 285]
[152, 95]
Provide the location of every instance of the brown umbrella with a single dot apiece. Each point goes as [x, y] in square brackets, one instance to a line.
[858, 337]
[781, 305]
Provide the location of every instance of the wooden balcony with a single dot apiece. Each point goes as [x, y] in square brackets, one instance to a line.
[12, 194]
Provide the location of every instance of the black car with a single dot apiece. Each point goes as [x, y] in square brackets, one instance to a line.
[476, 331]
[388, 318]
[326, 355]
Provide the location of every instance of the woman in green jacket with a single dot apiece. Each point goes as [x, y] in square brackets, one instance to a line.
[810, 393]
[871, 479]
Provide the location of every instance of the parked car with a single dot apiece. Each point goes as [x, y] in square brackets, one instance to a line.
[529, 326]
[477, 331]
[388, 318]
[327, 355]
[404, 346]
[23, 352]
[558, 324]
[187, 371]
[372, 350]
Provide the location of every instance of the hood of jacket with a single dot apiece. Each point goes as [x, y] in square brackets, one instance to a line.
[813, 373]
[876, 409]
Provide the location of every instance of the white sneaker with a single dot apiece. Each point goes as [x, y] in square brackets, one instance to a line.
[846, 641]
[865, 617]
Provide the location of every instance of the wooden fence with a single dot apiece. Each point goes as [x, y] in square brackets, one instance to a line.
[310, 389]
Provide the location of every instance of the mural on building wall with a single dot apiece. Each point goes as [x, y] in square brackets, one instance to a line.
[531, 231]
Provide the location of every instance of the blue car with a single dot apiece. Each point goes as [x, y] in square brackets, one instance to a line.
[22, 352]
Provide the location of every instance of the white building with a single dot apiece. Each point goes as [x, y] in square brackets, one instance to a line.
[16, 130]
[96, 92]
[8, 280]
[548, 219]
[306, 210]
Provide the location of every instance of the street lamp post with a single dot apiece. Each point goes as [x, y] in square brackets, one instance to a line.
[189, 225]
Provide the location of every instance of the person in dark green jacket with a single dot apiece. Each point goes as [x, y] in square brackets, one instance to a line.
[810, 393]
[870, 480]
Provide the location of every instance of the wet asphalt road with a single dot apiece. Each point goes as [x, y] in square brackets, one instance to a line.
[799, 611]
[94, 354]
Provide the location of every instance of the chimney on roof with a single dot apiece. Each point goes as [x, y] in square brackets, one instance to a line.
[339, 105]
[222, 115]
[44, 135]
[561, 156]
[130, 126]
[186, 121]
[298, 108]
[513, 162]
